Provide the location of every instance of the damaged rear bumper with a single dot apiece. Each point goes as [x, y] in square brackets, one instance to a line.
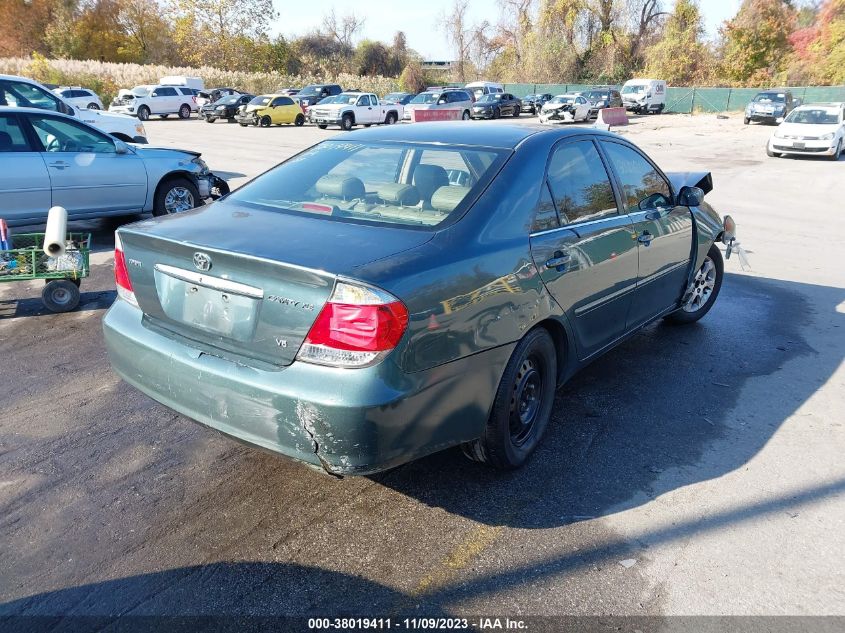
[349, 422]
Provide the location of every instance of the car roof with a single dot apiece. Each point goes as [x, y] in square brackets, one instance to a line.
[17, 110]
[506, 136]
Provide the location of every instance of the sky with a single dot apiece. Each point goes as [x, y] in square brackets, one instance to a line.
[419, 18]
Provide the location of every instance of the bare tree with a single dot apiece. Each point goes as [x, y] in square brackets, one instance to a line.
[459, 35]
[343, 29]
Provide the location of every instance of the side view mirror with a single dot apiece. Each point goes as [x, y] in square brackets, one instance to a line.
[690, 197]
[120, 147]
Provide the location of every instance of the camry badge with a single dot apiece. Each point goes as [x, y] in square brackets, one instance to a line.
[202, 261]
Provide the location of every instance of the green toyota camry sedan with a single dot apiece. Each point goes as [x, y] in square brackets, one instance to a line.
[399, 290]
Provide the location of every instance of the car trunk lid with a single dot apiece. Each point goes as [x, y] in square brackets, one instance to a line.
[247, 284]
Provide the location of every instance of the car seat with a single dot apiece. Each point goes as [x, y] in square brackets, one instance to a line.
[428, 179]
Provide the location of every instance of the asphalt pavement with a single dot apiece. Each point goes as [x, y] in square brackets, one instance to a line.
[691, 471]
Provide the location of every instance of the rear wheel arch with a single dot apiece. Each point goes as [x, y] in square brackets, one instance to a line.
[564, 345]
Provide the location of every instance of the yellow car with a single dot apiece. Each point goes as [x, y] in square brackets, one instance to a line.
[267, 110]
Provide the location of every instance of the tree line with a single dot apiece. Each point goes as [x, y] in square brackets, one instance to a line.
[767, 42]
[608, 41]
[227, 34]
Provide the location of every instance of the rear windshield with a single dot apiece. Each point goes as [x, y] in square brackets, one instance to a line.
[308, 91]
[378, 183]
[813, 117]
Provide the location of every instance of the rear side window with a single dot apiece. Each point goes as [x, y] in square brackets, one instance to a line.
[12, 138]
[580, 184]
[642, 185]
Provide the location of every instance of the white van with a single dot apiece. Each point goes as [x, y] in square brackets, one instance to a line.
[644, 96]
[480, 88]
[179, 80]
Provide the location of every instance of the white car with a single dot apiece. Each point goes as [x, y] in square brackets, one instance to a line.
[22, 92]
[565, 108]
[816, 129]
[145, 101]
[80, 97]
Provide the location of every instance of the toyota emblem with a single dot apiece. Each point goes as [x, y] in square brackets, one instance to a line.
[202, 261]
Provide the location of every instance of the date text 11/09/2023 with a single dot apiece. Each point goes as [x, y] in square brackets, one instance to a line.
[422, 624]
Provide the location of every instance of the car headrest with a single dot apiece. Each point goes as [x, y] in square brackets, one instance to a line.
[5, 141]
[398, 193]
[428, 178]
[447, 198]
[346, 187]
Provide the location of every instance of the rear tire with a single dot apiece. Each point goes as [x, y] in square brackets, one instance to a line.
[60, 295]
[176, 195]
[391, 118]
[210, 119]
[299, 121]
[163, 116]
[704, 289]
[465, 115]
[93, 106]
[522, 406]
[322, 126]
[185, 111]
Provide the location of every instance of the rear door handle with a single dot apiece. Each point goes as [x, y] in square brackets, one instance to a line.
[60, 164]
[558, 261]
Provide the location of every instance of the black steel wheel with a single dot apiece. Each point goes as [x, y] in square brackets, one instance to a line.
[522, 406]
[60, 295]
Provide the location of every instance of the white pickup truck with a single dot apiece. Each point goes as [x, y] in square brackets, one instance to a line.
[355, 108]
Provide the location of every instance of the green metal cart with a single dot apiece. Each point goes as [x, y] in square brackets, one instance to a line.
[27, 261]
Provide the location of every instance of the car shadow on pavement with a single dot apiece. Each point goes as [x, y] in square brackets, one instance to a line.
[217, 589]
[638, 421]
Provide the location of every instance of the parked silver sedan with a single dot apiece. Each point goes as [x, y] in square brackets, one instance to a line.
[49, 159]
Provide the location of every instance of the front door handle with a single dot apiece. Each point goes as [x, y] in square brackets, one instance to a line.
[645, 238]
[558, 261]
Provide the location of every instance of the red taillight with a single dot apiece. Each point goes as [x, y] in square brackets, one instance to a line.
[370, 328]
[121, 274]
[355, 328]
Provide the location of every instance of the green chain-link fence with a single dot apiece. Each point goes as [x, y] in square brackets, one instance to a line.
[687, 100]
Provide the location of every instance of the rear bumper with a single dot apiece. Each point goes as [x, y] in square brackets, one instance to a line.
[349, 422]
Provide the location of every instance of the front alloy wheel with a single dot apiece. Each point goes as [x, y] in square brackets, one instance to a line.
[703, 289]
[176, 196]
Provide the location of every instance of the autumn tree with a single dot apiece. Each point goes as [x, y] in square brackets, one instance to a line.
[31, 19]
[680, 56]
[220, 32]
[756, 41]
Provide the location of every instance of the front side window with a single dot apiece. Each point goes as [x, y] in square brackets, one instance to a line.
[12, 137]
[579, 183]
[643, 186]
[260, 101]
[389, 183]
[24, 95]
[62, 135]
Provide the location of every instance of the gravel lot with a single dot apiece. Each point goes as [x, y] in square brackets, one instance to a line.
[708, 458]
